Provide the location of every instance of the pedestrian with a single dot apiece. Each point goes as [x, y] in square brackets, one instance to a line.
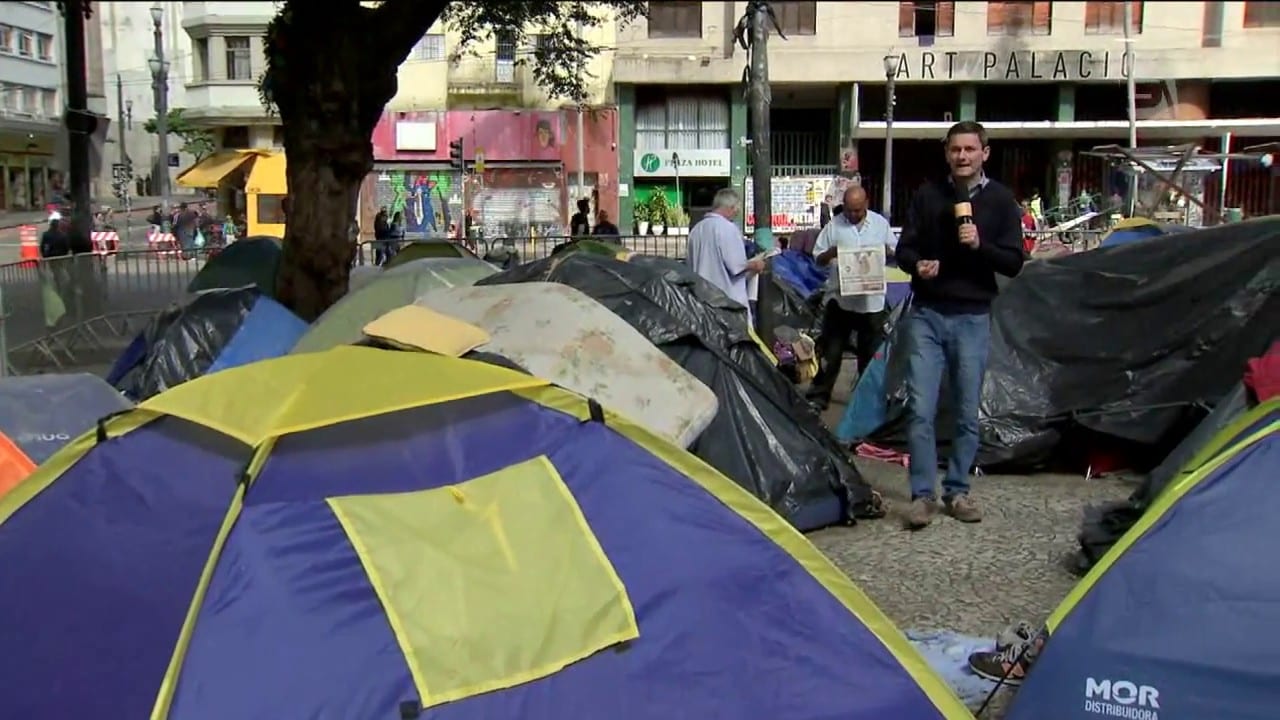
[959, 232]
[604, 226]
[185, 227]
[856, 227]
[715, 249]
[381, 236]
[580, 223]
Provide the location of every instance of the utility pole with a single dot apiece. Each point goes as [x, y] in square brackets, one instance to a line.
[160, 82]
[1130, 88]
[582, 153]
[891, 99]
[80, 122]
[760, 18]
[127, 177]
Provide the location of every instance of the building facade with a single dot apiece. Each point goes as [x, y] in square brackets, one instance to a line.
[1048, 79]
[128, 42]
[227, 59]
[31, 104]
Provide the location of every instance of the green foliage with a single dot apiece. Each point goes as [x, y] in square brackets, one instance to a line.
[555, 30]
[196, 141]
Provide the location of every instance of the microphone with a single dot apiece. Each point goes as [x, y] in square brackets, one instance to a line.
[964, 213]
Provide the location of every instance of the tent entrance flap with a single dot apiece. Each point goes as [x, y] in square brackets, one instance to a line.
[210, 171]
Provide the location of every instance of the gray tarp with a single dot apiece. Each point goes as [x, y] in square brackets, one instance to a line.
[41, 413]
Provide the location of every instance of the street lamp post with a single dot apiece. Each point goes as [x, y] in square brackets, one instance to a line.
[160, 84]
[886, 190]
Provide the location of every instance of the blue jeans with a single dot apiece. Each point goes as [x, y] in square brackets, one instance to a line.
[957, 346]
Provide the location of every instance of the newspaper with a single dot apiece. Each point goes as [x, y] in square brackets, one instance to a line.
[861, 270]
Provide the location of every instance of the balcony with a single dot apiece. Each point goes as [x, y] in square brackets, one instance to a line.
[487, 78]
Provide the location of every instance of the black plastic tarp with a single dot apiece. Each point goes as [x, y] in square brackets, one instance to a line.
[1105, 524]
[779, 305]
[765, 436]
[1123, 341]
[182, 343]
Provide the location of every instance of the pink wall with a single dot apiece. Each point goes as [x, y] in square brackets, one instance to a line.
[518, 136]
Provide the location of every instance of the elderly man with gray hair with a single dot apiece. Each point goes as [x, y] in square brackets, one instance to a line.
[716, 250]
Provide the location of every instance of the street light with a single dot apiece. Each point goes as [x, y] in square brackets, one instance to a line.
[891, 99]
[160, 86]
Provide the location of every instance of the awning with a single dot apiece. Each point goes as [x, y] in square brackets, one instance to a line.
[268, 175]
[210, 171]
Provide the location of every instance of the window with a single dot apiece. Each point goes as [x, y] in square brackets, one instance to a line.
[44, 47]
[1107, 18]
[505, 46]
[1019, 18]
[675, 19]
[202, 59]
[797, 18]
[6, 39]
[26, 44]
[541, 41]
[271, 209]
[12, 97]
[1260, 14]
[30, 100]
[239, 59]
[926, 19]
[430, 48]
[50, 101]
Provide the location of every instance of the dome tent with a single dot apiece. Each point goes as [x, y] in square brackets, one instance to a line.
[279, 565]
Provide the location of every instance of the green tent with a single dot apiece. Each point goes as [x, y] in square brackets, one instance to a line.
[420, 249]
[252, 261]
[396, 287]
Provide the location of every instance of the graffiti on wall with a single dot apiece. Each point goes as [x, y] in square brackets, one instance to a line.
[430, 200]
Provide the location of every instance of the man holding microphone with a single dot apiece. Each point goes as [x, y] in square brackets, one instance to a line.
[959, 232]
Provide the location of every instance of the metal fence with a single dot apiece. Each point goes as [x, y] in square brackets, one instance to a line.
[80, 310]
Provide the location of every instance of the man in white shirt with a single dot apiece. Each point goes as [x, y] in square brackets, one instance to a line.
[717, 252]
[856, 227]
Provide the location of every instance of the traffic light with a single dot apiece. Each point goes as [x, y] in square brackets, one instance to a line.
[455, 154]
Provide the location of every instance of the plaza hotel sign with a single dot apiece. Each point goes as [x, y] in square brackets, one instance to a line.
[1014, 65]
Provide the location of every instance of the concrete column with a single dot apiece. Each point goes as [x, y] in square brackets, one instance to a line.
[968, 102]
[738, 151]
[626, 155]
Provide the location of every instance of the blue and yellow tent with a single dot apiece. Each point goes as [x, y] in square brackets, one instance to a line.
[1178, 620]
[427, 537]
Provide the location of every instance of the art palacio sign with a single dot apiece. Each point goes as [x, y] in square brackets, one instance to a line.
[1013, 65]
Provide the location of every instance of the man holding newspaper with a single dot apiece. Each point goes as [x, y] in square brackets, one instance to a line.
[854, 245]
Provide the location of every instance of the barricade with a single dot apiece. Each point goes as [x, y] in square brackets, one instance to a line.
[30, 249]
[82, 310]
[105, 242]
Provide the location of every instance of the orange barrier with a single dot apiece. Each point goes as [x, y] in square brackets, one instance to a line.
[30, 250]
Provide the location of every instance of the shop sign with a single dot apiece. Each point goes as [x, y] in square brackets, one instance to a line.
[684, 163]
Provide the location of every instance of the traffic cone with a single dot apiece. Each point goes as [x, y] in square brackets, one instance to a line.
[30, 250]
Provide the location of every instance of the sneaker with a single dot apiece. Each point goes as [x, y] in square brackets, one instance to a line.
[963, 508]
[1018, 634]
[920, 513]
[1008, 666]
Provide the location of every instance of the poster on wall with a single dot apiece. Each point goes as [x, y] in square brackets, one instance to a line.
[797, 203]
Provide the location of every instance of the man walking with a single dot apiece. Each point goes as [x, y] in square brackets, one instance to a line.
[960, 231]
[716, 250]
[854, 228]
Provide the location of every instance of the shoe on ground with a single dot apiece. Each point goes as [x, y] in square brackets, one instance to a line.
[1016, 634]
[1008, 666]
[919, 513]
[963, 508]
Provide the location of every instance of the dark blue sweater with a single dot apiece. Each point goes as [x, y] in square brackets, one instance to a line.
[966, 281]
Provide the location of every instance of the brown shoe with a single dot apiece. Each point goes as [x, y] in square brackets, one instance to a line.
[920, 513]
[963, 508]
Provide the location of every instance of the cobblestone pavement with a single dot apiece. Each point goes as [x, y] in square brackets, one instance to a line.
[972, 579]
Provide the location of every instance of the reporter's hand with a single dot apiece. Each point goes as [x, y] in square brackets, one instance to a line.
[969, 236]
[927, 269]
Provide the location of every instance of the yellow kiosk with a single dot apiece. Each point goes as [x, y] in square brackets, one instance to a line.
[261, 173]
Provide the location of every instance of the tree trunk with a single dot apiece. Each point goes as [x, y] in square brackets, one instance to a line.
[331, 72]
